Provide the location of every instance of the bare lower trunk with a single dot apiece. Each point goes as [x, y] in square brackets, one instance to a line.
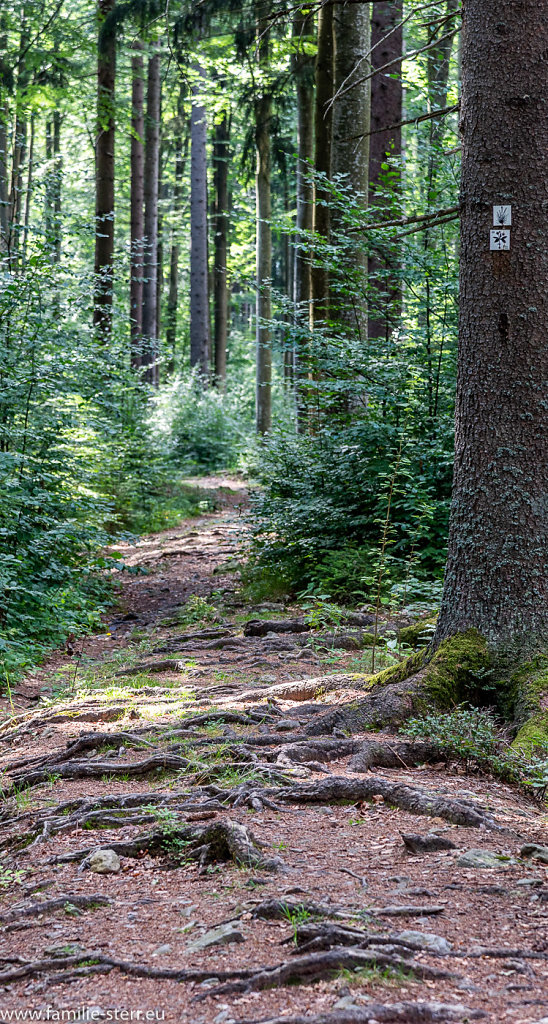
[4, 120]
[199, 275]
[385, 141]
[137, 214]
[104, 178]
[221, 156]
[149, 357]
[350, 156]
[322, 161]
[303, 72]
[496, 578]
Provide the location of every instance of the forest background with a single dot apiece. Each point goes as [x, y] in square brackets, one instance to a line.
[229, 239]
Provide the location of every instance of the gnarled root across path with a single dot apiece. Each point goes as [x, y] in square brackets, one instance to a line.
[271, 849]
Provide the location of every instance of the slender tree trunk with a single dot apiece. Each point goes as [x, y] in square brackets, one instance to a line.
[303, 73]
[263, 118]
[104, 178]
[162, 194]
[4, 198]
[496, 576]
[199, 273]
[137, 210]
[4, 132]
[150, 258]
[221, 156]
[20, 141]
[57, 184]
[350, 153]
[386, 110]
[322, 160]
[28, 190]
[181, 153]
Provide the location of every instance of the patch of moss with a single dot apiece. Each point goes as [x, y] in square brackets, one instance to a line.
[398, 673]
[455, 668]
[449, 675]
[418, 634]
[533, 734]
[528, 697]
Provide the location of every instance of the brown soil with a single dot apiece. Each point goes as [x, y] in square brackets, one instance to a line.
[349, 856]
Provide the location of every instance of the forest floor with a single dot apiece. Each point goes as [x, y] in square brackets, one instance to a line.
[257, 866]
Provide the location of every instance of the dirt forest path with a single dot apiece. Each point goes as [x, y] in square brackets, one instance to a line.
[190, 831]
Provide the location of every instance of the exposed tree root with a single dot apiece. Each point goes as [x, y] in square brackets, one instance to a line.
[222, 840]
[50, 906]
[96, 769]
[418, 801]
[393, 1013]
[52, 965]
[314, 966]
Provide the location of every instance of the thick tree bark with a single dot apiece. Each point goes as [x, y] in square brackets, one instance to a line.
[322, 159]
[496, 570]
[199, 273]
[181, 152]
[263, 119]
[137, 210]
[350, 153]
[221, 156]
[386, 110]
[149, 357]
[104, 177]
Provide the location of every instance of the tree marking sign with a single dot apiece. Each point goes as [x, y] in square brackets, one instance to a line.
[502, 216]
[500, 240]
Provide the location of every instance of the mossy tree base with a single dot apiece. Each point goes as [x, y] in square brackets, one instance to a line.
[461, 669]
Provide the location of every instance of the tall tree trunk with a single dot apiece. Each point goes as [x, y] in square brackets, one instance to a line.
[57, 184]
[137, 199]
[4, 155]
[496, 577]
[350, 153]
[221, 156]
[104, 177]
[322, 160]
[181, 153]
[28, 190]
[150, 258]
[438, 64]
[263, 118]
[386, 110]
[20, 140]
[303, 73]
[199, 273]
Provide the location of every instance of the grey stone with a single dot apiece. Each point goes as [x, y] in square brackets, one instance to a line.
[481, 859]
[104, 862]
[535, 852]
[426, 940]
[287, 724]
[530, 880]
[220, 936]
[162, 950]
[345, 1003]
